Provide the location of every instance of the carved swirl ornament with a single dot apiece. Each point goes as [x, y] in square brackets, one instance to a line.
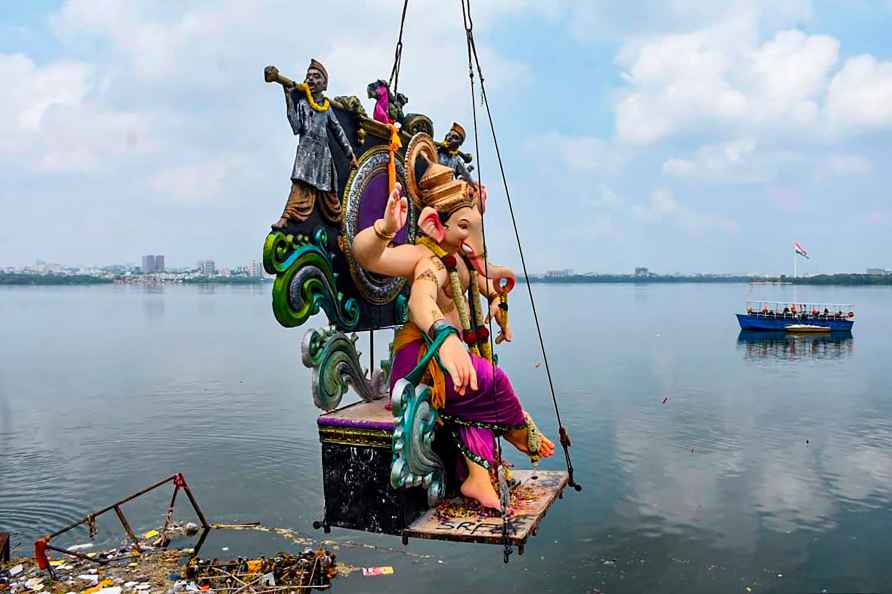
[333, 357]
[415, 464]
[305, 280]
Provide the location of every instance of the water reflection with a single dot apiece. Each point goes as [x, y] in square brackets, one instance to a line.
[153, 301]
[794, 347]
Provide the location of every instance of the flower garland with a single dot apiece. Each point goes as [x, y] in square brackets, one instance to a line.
[469, 334]
[316, 107]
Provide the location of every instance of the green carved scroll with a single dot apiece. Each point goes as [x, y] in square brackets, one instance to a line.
[305, 280]
[333, 357]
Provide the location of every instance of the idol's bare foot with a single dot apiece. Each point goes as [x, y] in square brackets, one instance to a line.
[478, 486]
[518, 438]
[280, 224]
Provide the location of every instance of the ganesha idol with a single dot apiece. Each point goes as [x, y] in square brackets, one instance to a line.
[447, 272]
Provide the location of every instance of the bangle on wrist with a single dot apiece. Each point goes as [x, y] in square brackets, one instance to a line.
[381, 234]
[439, 326]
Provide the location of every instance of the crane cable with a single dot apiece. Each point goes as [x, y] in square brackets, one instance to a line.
[394, 81]
[472, 56]
[504, 495]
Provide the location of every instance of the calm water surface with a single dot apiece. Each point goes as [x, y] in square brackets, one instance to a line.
[769, 466]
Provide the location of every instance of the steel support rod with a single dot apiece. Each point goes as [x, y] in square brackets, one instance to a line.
[76, 554]
[113, 505]
[127, 528]
[194, 503]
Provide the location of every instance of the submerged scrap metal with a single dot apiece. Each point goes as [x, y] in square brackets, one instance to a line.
[310, 569]
[143, 564]
[168, 571]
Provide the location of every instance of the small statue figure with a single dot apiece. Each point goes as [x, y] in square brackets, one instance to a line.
[474, 397]
[449, 155]
[388, 107]
[314, 179]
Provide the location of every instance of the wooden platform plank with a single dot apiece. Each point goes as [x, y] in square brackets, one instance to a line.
[360, 413]
[537, 491]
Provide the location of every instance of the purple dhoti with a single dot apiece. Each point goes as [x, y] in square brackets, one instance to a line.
[478, 416]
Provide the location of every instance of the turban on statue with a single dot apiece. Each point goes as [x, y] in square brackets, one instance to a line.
[456, 127]
[316, 65]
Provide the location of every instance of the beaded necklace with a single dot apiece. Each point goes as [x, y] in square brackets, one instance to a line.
[474, 332]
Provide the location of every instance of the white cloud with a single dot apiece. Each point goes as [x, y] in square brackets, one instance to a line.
[580, 154]
[734, 162]
[849, 165]
[714, 161]
[200, 182]
[606, 199]
[620, 21]
[53, 122]
[716, 77]
[860, 94]
[663, 207]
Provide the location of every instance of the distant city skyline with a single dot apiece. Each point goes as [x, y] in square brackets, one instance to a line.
[254, 267]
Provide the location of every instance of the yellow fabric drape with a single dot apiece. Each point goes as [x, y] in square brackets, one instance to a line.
[395, 145]
[408, 334]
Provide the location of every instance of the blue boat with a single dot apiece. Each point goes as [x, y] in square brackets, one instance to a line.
[783, 316]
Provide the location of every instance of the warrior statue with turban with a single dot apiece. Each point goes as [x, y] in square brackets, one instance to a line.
[448, 274]
[314, 179]
[449, 155]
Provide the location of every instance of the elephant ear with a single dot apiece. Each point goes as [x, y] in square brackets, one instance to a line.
[430, 224]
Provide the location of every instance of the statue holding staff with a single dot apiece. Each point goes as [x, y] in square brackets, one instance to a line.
[314, 179]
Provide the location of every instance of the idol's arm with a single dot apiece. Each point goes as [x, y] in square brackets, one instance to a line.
[424, 311]
[372, 248]
[493, 288]
[374, 253]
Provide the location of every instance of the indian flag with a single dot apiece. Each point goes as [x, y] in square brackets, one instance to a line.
[800, 250]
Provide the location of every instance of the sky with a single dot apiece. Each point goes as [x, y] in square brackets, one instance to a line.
[679, 135]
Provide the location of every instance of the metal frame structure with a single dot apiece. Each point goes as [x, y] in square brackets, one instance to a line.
[42, 544]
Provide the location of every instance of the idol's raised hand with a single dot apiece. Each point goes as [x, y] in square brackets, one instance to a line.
[396, 212]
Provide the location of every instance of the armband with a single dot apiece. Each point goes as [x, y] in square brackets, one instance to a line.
[440, 326]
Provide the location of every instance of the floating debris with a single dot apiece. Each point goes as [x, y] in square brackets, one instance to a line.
[373, 571]
[170, 571]
[310, 569]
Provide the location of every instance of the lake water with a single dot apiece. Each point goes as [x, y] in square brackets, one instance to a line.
[769, 466]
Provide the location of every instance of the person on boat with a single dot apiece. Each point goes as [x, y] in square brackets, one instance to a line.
[475, 398]
[314, 179]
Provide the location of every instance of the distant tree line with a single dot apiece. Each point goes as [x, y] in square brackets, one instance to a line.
[821, 279]
[224, 280]
[844, 279]
[628, 278]
[20, 278]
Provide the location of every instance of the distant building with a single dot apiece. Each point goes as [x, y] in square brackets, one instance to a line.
[878, 271]
[254, 269]
[559, 273]
[207, 268]
[642, 271]
[152, 264]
